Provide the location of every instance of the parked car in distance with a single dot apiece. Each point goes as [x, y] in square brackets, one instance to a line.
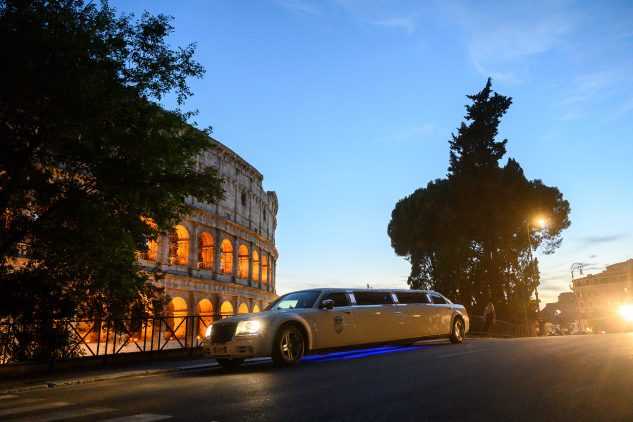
[320, 320]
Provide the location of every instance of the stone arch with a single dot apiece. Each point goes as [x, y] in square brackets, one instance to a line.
[226, 309]
[264, 269]
[226, 257]
[242, 257]
[176, 314]
[151, 254]
[243, 308]
[178, 245]
[152, 251]
[255, 265]
[205, 315]
[256, 308]
[205, 250]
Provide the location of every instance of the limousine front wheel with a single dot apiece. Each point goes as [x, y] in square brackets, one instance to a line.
[289, 345]
[457, 333]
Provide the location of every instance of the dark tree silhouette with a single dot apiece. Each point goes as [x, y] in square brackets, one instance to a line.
[89, 158]
[467, 235]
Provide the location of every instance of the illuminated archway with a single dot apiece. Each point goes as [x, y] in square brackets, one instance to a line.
[264, 269]
[255, 265]
[242, 255]
[226, 309]
[152, 251]
[205, 251]
[176, 314]
[151, 254]
[243, 308]
[205, 313]
[178, 246]
[256, 308]
[226, 257]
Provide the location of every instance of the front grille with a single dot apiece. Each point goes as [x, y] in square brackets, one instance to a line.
[223, 332]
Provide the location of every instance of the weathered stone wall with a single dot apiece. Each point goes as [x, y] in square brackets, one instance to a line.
[247, 218]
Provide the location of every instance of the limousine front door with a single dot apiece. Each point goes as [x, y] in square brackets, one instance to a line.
[334, 328]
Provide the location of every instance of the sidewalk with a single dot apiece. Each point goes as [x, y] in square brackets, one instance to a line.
[105, 373]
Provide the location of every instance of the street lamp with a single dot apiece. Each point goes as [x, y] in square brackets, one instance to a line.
[541, 223]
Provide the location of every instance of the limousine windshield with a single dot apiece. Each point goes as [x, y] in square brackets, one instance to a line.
[297, 300]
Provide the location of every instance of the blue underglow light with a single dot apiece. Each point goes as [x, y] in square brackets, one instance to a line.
[361, 353]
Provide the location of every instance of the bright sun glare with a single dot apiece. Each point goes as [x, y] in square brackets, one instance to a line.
[626, 312]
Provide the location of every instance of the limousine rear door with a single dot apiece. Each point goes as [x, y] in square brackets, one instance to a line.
[417, 314]
[442, 314]
[335, 327]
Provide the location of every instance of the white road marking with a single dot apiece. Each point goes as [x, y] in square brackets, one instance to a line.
[8, 396]
[32, 408]
[63, 415]
[141, 417]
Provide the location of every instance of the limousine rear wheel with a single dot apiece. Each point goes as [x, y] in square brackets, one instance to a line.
[457, 332]
[289, 346]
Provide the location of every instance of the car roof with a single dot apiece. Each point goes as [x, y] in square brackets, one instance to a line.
[348, 289]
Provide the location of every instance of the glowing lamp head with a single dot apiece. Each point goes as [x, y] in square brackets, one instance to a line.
[626, 312]
[541, 222]
[208, 331]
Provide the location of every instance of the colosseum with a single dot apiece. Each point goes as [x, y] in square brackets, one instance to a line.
[221, 260]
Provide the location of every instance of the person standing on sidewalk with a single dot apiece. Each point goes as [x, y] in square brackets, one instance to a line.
[489, 316]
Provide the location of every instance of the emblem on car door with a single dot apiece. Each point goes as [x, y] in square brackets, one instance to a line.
[338, 324]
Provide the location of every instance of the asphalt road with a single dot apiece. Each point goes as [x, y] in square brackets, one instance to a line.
[575, 378]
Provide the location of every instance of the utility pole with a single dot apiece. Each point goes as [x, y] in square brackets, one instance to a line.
[542, 224]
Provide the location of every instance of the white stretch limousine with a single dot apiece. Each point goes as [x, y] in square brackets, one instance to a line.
[325, 319]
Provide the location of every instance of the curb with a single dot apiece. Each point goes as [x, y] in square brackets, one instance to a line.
[106, 377]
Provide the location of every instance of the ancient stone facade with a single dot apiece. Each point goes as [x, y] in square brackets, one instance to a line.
[222, 259]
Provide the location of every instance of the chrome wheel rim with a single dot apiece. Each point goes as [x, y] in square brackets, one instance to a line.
[291, 346]
[459, 330]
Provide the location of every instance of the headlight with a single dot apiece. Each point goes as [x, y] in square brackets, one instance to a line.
[626, 312]
[248, 328]
[208, 331]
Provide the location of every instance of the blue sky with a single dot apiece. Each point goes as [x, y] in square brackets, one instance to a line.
[346, 106]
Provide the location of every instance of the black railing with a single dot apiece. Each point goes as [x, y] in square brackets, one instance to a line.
[498, 329]
[90, 338]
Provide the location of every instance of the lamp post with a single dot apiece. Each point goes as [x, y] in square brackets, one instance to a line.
[541, 222]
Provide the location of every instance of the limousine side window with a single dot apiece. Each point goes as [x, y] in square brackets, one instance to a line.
[339, 298]
[438, 300]
[412, 297]
[373, 298]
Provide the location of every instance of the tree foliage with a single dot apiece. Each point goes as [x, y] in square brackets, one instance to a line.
[469, 234]
[89, 158]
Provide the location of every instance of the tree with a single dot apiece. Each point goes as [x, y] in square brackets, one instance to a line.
[469, 235]
[92, 167]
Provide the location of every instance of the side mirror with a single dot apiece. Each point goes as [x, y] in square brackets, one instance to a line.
[327, 304]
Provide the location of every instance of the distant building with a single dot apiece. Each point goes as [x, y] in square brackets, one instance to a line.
[600, 295]
[563, 313]
[566, 305]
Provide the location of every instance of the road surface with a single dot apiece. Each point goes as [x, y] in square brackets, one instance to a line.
[573, 378]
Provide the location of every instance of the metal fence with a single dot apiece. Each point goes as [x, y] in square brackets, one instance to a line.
[498, 329]
[90, 338]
